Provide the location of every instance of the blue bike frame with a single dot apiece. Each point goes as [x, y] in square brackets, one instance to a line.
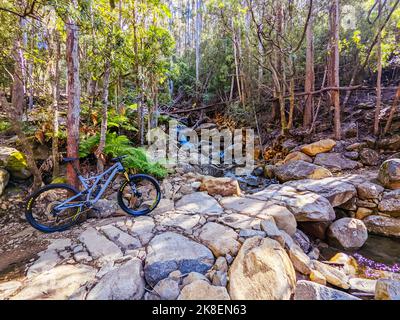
[115, 169]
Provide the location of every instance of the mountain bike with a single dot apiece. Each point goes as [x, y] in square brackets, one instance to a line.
[57, 207]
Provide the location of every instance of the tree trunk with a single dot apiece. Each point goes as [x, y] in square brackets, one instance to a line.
[291, 93]
[56, 98]
[379, 76]
[73, 93]
[104, 117]
[16, 112]
[309, 85]
[197, 42]
[392, 111]
[334, 66]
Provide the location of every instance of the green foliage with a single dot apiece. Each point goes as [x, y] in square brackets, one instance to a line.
[120, 145]
[4, 125]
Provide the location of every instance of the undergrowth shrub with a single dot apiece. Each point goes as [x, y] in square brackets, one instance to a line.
[120, 145]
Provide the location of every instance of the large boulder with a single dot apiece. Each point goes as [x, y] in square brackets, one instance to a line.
[298, 170]
[123, 283]
[390, 203]
[347, 233]
[335, 162]
[4, 178]
[389, 174]
[390, 143]
[261, 271]
[368, 190]
[15, 162]
[382, 225]
[321, 146]
[202, 290]
[199, 202]
[305, 205]
[221, 240]
[334, 189]
[307, 290]
[369, 157]
[220, 186]
[297, 155]
[170, 251]
[261, 209]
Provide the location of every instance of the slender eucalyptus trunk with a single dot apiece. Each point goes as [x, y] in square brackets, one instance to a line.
[392, 111]
[334, 66]
[379, 77]
[15, 113]
[104, 118]
[56, 98]
[309, 85]
[73, 93]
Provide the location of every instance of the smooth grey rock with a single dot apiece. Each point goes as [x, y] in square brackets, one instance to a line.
[382, 225]
[167, 289]
[260, 209]
[123, 283]
[335, 162]
[298, 170]
[348, 233]
[99, 246]
[307, 290]
[199, 203]
[369, 190]
[334, 189]
[170, 251]
[202, 290]
[142, 227]
[59, 283]
[305, 205]
[47, 261]
[122, 239]
[221, 240]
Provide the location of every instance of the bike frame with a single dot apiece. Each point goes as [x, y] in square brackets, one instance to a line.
[115, 169]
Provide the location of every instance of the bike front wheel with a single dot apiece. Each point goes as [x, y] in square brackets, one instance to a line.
[42, 212]
[140, 195]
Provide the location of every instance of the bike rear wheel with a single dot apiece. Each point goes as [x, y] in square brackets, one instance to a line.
[140, 195]
[41, 213]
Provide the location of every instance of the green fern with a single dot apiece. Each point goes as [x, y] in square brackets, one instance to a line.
[120, 145]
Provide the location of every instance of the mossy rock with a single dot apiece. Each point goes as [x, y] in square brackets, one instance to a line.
[15, 162]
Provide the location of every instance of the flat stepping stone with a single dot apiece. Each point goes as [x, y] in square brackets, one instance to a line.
[122, 239]
[99, 246]
[178, 220]
[199, 203]
[59, 283]
[221, 239]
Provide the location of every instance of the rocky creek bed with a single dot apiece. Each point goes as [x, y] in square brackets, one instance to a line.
[208, 239]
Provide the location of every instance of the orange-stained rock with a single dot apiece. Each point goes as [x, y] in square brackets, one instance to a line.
[220, 186]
